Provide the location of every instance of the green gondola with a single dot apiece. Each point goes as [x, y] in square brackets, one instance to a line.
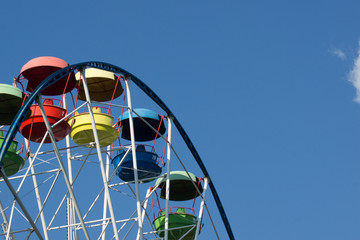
[11, 99]
[182, 187]
[12, 162]
[181, 225]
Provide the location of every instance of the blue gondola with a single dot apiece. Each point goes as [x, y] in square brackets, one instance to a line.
[146, 163]
[142, 131]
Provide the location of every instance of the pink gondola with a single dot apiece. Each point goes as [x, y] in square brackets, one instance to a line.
[38, 69]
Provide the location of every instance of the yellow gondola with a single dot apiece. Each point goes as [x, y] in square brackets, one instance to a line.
[82, 131]
[103, 85]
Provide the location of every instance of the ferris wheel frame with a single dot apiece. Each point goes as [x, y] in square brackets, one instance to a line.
[21, 115]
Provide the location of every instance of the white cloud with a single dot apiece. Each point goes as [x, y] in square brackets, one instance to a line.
[338, 53]
[354, 76]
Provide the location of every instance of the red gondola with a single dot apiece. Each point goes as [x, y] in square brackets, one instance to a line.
[34, 128]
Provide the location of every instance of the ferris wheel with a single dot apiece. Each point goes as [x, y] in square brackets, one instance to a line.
[79, 161]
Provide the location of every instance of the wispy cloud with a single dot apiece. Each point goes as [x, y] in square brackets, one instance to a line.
[354, 76]
[338, 53]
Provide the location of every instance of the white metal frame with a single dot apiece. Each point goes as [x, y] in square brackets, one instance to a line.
[76, 221]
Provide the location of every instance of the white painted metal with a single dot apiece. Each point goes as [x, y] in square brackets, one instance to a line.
[168, 179]
[118, 166]
[72, 233]
[69, 219]
[63, 199]
[39, 203]
[93, 203]
[145, 204]
[200, 216]
[6, 226]
[187, 232]
[18, 200]
[104, 226]
[11, 218]
[144, 210]
[29, 175]
[58, 156]
[132, 137]
[48, 194]
[97, 142]
[91, 222]
[18, 189]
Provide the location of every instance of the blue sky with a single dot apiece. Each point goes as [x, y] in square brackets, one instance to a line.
[263, 88]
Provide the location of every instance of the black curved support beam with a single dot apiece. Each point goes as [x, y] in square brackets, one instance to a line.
[20, 117]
